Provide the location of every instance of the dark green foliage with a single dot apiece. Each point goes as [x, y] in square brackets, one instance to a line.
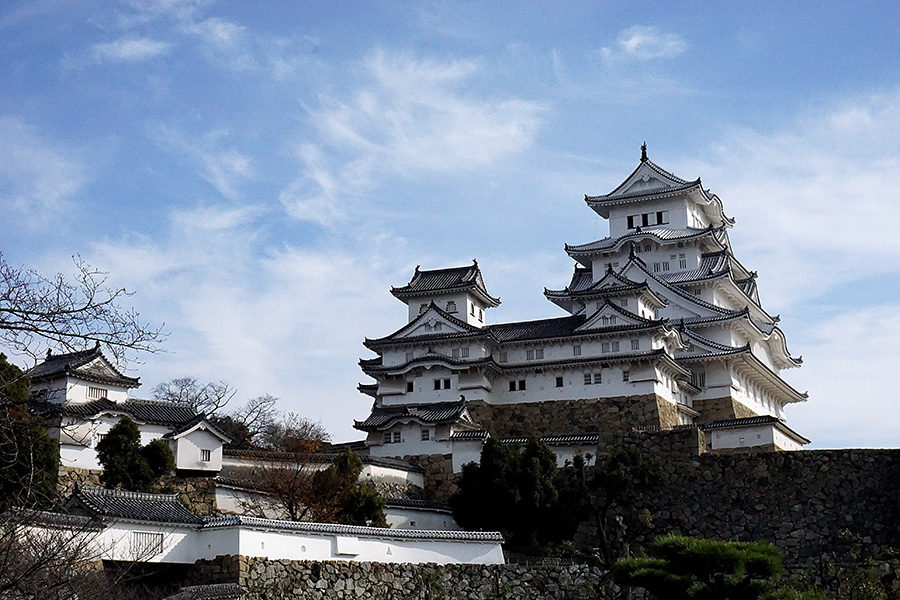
[29, 458]
[512, 490]
[237, 431]
[684, 568]
[338, 496]
[609, 495]
[127, 464]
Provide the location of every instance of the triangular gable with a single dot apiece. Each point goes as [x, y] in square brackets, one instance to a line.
[647, 177]
[426, 323]
[636, 269]
[420, 326]
[201, 424]
[610, 315]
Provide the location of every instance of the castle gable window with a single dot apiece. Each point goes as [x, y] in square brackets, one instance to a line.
[96, 393]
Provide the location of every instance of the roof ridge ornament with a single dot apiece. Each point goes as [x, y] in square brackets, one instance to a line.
[644, 152]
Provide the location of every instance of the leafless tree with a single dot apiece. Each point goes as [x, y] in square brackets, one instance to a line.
[293, 433]
[69, 313]
[257, 415]
[208, 398]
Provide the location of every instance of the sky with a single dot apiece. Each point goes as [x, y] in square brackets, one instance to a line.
[260, 174]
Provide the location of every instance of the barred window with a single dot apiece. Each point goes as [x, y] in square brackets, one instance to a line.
[145, 544]
[587, 379]
[205, 455]
[95, 393]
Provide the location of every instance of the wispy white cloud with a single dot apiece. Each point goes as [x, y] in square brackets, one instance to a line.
[413, 116]
[130, 50]
[815, 199]
[223, 167]
[225, 42]
[38, 178]
[642, 42]
[849, 361]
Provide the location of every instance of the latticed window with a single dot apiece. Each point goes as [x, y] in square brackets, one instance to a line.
[205, 455]
[145, 544]
[96, 393]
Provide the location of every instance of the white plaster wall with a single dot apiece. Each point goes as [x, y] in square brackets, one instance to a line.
[116, 542]
[677, 207]
[77, 391]
[742, 437]
[188, 447]
[465, 452]
[410, 518]
[305, 546]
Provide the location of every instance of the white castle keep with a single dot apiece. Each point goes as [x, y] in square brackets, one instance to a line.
[664, 328]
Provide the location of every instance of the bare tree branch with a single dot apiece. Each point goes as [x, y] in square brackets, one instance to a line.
[207, 398]
[69, 313]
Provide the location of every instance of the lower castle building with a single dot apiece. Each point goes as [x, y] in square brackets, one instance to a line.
[664, 328]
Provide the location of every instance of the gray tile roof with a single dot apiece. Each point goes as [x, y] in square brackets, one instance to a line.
[471, 434]
[138, 506]
[429, 413]
[76, 364]
[446, 280]
[357, 530]
[319, 457]
[582, 439]
[662, 234]
[144, 411]
[530, 330]
[416, 503]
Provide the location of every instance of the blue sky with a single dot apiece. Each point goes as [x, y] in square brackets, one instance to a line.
[260, 177]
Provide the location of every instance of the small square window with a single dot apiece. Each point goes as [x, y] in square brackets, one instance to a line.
[559, 382]
[396, 437]
[205, 455]
[576, 350]
[635, 344]
[454, 353]
[614, 346]
[521, 384]
[512, 385]
[503, 357]
[446, 384]
[426, 435]
[451, 306]
[598, 378]
[624, 301]
[409, 386]
[437, 384]
[529, 355]
[626, 376]
[464, 352]
[604, 347]
[539, 353]
[387, 438]
[587, 379]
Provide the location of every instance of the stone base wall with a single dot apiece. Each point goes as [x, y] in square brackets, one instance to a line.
[440, 482]
[716, 409]
[588, 415]
[802, 502]
[69, 477]
[265, 579]
[197, 493]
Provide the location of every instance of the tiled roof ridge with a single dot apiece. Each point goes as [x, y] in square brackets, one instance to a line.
[690, 232]
[653, 166]
[467, 328]
[670, 286]
[115, 493]
[650, 192]
[334, 528]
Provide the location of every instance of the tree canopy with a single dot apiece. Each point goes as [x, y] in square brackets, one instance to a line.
[685, 568]
[512, 489]
[127, 464]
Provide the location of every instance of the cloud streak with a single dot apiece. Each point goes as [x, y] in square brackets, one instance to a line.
[414, 116]
[37, 177]
[130, 50]
[644, 43]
